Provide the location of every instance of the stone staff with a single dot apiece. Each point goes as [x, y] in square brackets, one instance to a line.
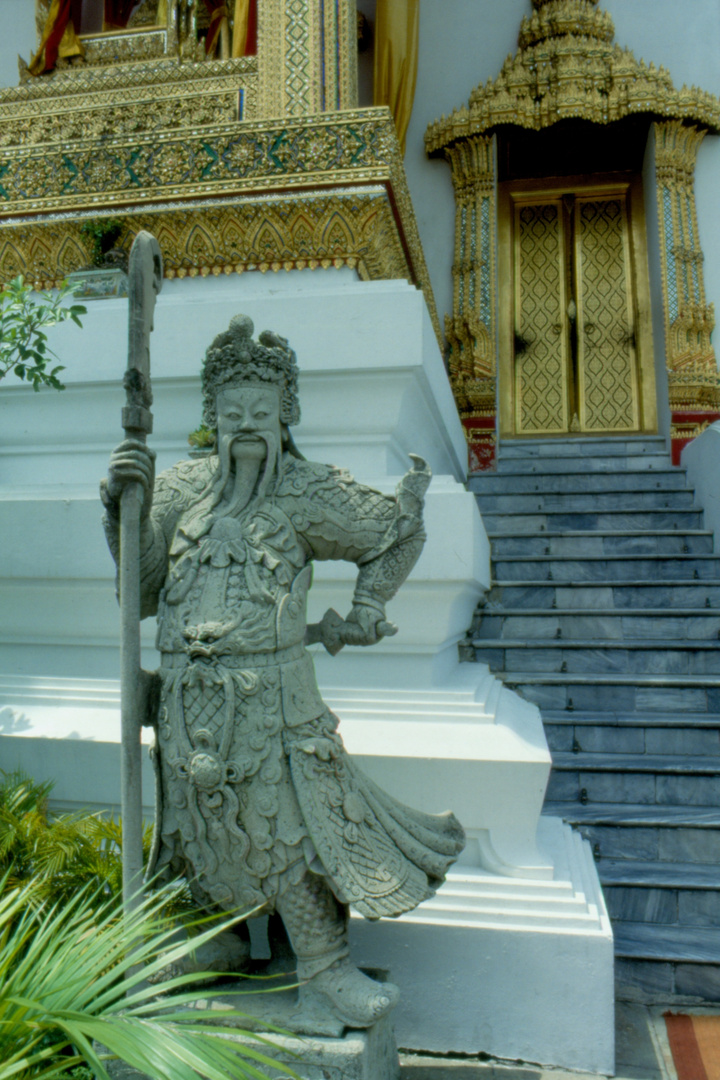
[145, 282]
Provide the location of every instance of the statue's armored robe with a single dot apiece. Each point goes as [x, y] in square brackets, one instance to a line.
[255, 786]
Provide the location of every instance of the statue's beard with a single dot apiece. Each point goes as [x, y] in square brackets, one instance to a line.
[257, 480]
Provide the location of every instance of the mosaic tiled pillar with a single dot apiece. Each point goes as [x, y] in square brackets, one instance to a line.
[307, 54]
[694, 386]
[470, 330]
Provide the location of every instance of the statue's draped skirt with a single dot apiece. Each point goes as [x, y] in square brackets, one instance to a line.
[256, 789]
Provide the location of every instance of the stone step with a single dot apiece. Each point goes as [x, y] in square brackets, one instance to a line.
[606, 610]
[623, 596]
[592, 781]
[587, 447]
[553, 521]
[659, 875]
[599, 463]
[620, 720]
[607, 568]
[648, 832]
[581, 544]
[631, 816]
[679, 944]
[679, 624]
[617, 692]
[670, 481]
[591, 657]
[584, 501]
[661, 905]
[636, 735]
[666, 764]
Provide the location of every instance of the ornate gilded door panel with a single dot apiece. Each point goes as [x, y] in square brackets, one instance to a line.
[541, 335]
[575, 349]
[606, 360]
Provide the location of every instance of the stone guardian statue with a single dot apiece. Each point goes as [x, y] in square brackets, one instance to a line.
[258, 803]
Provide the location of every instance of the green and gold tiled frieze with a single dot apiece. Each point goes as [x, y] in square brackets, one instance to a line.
[221, 158]
[316, 191]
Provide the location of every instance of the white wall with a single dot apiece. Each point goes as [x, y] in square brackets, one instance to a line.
[17, 35]
[462, 43]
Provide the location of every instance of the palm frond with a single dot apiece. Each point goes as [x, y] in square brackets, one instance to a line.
[73, 974]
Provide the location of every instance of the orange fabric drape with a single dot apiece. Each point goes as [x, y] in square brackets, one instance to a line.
[244, 41]
[244, 36]
[59, 39]
[396, 59]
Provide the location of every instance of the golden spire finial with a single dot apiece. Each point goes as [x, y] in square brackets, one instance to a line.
[562, 18]
[537, 4]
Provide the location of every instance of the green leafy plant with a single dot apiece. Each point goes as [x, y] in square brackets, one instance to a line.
[73, 978]
[204, 438]
[23, 342]
[103, 234]
[61, 854]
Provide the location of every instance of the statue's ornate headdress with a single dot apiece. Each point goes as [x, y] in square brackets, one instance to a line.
[234, 358]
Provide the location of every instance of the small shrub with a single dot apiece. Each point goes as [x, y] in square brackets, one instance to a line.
[64, 853]
[103, 234]
[23, 341]
[204, 438]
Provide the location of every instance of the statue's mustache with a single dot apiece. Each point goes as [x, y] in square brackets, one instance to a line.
[225, 459]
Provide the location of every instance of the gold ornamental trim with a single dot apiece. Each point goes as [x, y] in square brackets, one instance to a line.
[345, 227]
[688, 431]
[568, 66]
[64, 87]
[258, 163]
[694, 391]
[226, 158]
[222, 197]
[693, 378]
[470, 333]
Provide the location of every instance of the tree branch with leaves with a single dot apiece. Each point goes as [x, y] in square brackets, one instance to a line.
[24, 317]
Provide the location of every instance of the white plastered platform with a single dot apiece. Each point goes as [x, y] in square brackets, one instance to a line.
[514, 955]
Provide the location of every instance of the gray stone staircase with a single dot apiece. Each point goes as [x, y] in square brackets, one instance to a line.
[605, 612]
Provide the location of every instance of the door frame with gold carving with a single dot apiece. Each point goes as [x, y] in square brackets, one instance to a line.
[511, 196]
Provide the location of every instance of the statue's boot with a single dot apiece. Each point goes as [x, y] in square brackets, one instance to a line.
[317, 925]
[228, 951]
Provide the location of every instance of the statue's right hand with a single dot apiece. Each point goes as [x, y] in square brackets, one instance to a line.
[132, 462]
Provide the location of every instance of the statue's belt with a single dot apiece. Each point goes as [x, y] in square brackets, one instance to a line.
[232, 660]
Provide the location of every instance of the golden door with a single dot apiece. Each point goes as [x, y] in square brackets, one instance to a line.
[575, 362]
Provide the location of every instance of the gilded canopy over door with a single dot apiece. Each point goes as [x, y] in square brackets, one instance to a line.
[550, 330]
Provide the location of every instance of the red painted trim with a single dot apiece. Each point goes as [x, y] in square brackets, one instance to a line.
[53, 42]
[482, 447]
[694, 416]
[251, 39]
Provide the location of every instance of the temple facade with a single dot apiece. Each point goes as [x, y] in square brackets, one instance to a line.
[491, 233]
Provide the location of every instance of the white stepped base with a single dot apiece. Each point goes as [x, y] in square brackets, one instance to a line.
[514, 966]
[510, 967]
[471, 747]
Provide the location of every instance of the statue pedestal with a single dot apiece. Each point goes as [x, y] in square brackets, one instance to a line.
[512, 936]
[370, 1054]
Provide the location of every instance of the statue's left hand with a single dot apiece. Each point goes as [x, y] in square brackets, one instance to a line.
[363, 627]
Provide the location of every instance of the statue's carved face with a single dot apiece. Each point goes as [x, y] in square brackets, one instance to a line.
[248, 417]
